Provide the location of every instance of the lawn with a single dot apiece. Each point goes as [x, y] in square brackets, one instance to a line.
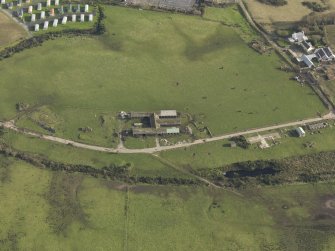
[135, 66]
[44, 210]
[10, 31]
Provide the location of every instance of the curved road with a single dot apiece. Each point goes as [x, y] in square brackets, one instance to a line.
[10, 125]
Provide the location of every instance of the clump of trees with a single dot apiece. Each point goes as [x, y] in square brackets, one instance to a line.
[274, 2]
[240, 141]
[100, 25]
[308, 168]
[314, 6]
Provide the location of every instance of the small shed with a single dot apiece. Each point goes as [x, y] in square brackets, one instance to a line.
[301, 132]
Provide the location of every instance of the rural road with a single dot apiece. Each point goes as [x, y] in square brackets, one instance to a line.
[121, 149]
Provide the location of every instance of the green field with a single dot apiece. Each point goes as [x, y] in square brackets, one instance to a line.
[77, 85]
[219, 153]
[135, 67]
[58, 211]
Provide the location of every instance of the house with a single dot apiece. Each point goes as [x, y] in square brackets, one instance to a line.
[307, 59]
[324, 54]
[298, 37]
[301, 132]
[307, 46]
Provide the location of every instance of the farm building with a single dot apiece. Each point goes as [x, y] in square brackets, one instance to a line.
[325, 54]
[168, 114]
[155, 131]
[301, 132]
[152, 123]
[307, 59]
[317, 126]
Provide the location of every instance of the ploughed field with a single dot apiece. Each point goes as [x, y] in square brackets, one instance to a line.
[45, 210]
[149, 61]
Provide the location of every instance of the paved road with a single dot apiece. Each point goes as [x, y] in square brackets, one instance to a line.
[121, 149]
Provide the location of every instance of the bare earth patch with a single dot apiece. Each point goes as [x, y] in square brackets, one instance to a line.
[10, 31]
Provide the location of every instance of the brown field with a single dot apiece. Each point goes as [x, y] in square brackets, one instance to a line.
[270, 16]
[10, 31]
[331, 35]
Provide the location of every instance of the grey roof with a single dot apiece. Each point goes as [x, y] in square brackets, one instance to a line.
[168, 113]
[308, 60]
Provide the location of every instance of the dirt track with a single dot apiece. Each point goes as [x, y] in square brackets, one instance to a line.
[10, 125]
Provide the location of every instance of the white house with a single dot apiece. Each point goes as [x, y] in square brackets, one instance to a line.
[298, 37]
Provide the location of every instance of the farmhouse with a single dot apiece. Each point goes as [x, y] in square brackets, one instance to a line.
[298, 37]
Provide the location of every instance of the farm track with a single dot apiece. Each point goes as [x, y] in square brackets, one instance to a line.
[121, 149]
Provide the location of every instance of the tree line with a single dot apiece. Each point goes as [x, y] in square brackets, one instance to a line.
[307, 169]
[113, 172]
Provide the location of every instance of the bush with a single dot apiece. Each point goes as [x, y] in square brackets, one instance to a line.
[314, 6]
[274, 2]
[240, 141]
[282, 33]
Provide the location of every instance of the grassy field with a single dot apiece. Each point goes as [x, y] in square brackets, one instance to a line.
[10, 31]
[46, 210]
[330, 30]
[136, 65]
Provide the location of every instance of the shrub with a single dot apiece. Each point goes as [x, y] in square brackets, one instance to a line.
[314, 6]
[274, 2]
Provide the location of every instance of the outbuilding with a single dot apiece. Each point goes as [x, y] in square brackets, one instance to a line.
[301, 132]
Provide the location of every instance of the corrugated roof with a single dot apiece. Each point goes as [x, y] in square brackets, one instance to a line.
[168, 113]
